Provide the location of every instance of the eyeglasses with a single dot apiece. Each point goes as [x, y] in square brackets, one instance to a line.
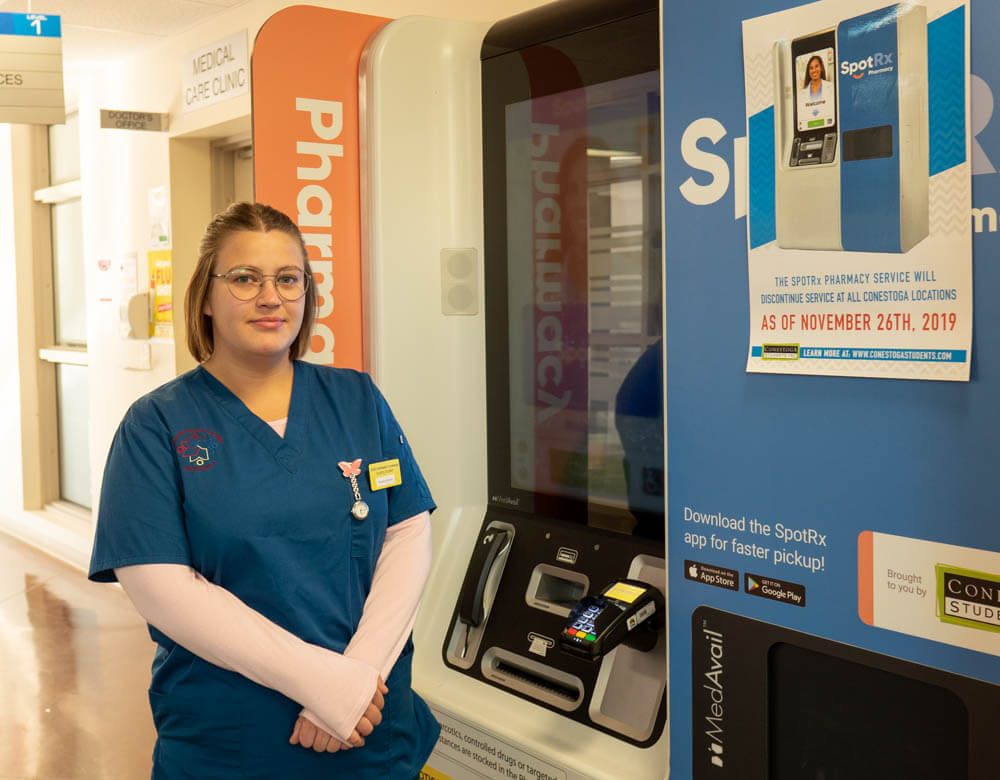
[246, 283]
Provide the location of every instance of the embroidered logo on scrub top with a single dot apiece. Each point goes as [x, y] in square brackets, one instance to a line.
[197, 448]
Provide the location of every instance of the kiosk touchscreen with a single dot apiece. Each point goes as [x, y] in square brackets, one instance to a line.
[807, 164]
[814, 63]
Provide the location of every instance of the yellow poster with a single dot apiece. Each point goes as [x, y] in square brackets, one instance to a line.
[161, 301]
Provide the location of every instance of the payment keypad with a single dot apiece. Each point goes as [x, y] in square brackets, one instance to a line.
[583, 622]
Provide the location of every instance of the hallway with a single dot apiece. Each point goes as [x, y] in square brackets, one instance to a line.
[74, 668]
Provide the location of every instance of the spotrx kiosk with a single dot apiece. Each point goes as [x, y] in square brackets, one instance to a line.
[562, 600]
[851, 134]
[540, 644]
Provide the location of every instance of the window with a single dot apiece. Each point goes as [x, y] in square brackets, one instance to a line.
[68, 334]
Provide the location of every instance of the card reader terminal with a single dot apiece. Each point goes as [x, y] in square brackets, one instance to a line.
[627, 611]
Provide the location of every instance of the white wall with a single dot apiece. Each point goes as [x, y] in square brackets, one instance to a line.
[118, 168]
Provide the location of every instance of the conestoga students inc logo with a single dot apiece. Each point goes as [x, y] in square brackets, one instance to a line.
[968, 598]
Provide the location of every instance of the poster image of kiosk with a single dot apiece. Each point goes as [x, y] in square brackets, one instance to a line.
[851, 134]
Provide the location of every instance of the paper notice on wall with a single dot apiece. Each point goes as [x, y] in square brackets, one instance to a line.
[128, 286]
[159, 218]
[105, 287]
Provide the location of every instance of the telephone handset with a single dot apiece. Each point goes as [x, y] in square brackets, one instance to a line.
[482, 578]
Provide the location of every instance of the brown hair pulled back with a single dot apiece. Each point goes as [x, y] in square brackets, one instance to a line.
[252, 217]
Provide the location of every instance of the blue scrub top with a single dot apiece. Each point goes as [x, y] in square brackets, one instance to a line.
[195, 478]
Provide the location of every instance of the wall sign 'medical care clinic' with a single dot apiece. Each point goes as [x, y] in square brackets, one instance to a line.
[216, 72]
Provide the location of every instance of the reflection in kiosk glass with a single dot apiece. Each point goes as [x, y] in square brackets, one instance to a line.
[584, 289]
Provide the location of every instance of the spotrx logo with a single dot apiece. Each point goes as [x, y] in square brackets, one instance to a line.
[968, 598]
[876, 63]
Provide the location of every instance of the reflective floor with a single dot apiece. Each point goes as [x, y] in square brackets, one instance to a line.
[74, 668]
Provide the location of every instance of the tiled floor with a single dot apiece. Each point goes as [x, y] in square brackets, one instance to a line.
[74, 668]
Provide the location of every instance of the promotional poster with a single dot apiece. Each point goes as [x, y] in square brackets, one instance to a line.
[859, 243]
[834, 555]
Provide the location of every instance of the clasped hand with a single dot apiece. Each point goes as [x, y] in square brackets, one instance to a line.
[309, 735]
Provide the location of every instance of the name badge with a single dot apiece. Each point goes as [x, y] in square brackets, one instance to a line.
[384, 474]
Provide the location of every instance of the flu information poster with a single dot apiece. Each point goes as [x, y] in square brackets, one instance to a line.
[161, 323]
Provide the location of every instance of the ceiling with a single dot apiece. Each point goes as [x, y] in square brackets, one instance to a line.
[93, 28]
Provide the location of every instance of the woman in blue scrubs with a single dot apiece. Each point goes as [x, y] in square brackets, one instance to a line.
[268, 519]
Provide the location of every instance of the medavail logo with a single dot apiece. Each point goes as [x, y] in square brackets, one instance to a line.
[715, 696]
[876, 63]
[968, 598]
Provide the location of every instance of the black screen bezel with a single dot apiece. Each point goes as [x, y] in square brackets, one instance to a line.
[810, 43]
